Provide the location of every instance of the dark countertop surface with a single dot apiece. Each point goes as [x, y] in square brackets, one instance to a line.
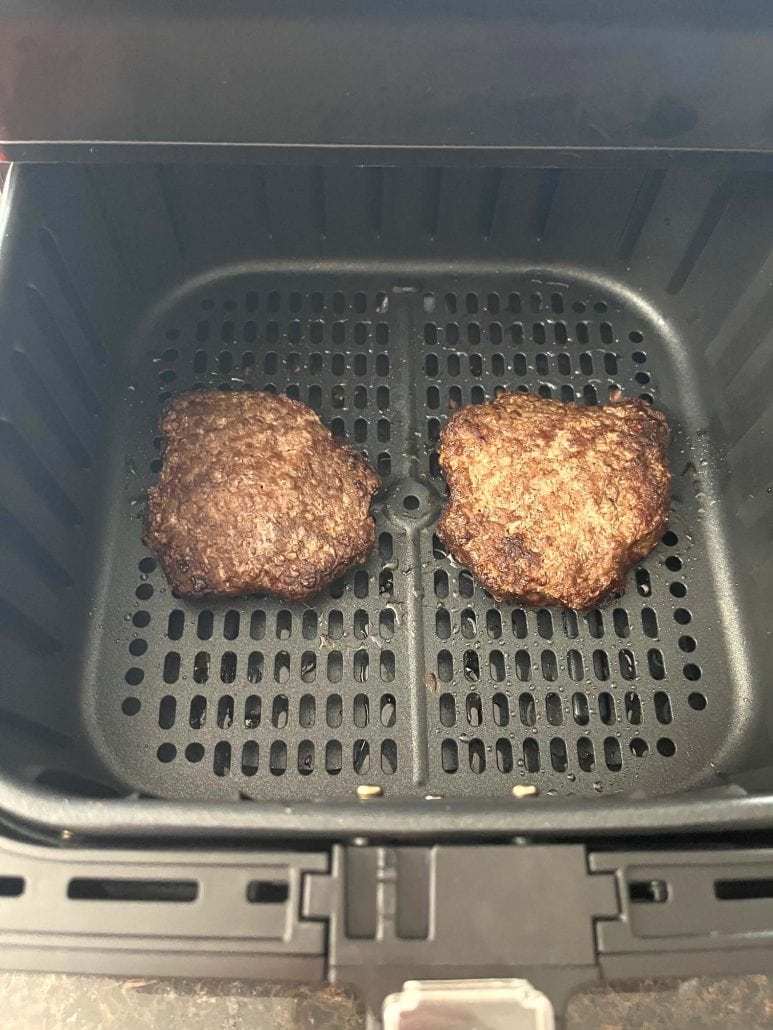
[55, 1002]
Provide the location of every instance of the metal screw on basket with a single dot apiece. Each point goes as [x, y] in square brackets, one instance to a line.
[525, 790]
[366, 791]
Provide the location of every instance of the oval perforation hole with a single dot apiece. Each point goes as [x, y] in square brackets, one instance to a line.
[447, 709]
[360, 666]
[442, 623]
[333, 757]
[386, 624]
[570, 623]
[586, 757]
[607, 712]
[468, 623]
[449, 755]
[632, 708]
[221, 760]
[201, 667]
[649, 622]
[496, 664]
[231, 625]
[656, 664]
[612, 754]
[361, 756]
[466, 584]
[620, 622]
[228, 667]
[554, 709]
[307, 711]
[504, 755]
[167, 711]
[284, 624]
[445, 666]
[279, 711]
[252, 712]
[386, 584]
[500, 710]
[388, 710]
[580, 709]
[471, 665]
[361, 711]
[171, 672]
[386, 666]
[574, 665]
[388, 757]
[250, 757]
[595, 623]
[335, 624]
[308, 667]
[531, 756]
[600, 665]
[662, 703]
[627, 664]
[277, 759]
[474, 707]
[519, 623]
[305, 758]
[522, 665]
[494, 624]
[441, 584]
[527, 709]
[205, 624]
[476, 756]
[549, 666]
[643, 582]
[198, 712]
[545, 624]
[335, 666]
[176, 624]
[334, 711]
[255, 666]
[225, 712]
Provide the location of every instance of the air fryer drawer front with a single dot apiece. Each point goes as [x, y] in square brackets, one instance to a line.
[375, 917]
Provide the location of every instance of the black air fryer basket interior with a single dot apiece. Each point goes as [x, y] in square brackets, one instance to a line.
[385, 299]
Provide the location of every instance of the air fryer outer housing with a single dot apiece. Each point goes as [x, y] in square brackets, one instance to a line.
[387, 214]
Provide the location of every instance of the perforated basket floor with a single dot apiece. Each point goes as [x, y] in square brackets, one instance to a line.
[406, 674]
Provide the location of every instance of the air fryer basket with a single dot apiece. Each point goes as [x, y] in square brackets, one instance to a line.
[385, 299]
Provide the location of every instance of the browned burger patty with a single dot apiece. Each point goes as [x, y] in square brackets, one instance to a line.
[255, 495]
[552, 503]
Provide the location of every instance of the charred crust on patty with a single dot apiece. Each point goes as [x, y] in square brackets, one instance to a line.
[256, 496]
[553, 503]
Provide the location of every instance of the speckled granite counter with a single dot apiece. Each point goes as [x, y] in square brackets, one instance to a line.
[53, 1002]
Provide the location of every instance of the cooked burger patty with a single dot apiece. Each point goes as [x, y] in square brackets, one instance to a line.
[255, 495]
[552, 503]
